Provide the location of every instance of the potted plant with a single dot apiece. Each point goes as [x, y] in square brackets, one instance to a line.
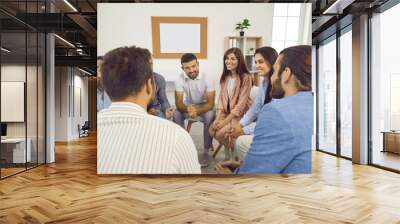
[241, 26]
[251, 50]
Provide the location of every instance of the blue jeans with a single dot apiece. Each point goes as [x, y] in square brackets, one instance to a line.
[161, 114]
[207, 117]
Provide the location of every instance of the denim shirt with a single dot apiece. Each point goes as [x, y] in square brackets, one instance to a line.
[248, 120]
[160, 101]
[103, 100]
[282, 137]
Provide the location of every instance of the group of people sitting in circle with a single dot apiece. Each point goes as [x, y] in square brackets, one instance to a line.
[139, 132]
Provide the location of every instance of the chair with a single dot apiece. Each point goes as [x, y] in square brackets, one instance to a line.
[253, 95]
[192, 121]
[84, 130]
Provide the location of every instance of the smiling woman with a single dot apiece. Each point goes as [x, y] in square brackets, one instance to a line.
[234, 98]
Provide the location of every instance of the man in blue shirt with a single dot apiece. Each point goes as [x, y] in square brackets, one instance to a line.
[282, 137]
[103, 100]
[160, 105]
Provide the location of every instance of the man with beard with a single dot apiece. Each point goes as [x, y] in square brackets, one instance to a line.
[198, 89]
[160, 105]
[131, 141]
[282, 137]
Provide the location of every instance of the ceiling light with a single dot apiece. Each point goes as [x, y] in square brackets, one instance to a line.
[5, 49]
[338, 6]
[70, 5]
[86, 72]
[64, 40]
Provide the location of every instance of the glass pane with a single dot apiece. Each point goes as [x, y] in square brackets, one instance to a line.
[385, 89]
[280, 9]
[327, 97]
[346, 94]
[31, 101]
[279, 28]
[292, 30]
[13, 87]
[294, 9]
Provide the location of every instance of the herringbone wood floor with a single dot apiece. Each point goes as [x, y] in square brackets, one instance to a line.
[70, 191]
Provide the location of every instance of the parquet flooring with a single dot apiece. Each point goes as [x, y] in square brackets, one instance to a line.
[70, 191]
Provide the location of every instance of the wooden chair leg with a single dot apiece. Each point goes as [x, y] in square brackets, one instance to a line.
[217, 150]
[189, 126]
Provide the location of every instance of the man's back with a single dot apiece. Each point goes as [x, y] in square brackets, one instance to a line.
[282, 140]
[130, 141]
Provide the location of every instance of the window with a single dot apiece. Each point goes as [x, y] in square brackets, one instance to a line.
[346, 94]
[285, 28]
[385, 89]
[327, 96]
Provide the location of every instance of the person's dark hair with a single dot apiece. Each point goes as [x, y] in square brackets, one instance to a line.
[298, 59]
[125, 71]
[270, 55]
[100, 57]
[188, 57]
[241, 69]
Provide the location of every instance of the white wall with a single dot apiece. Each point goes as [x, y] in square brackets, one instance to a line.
[17, 73]
[33, 127]
[67, 114]
[80, 103]
[61, 103]
[130, 24]
[306, 24]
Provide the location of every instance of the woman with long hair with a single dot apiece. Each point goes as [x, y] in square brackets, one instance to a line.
[242, 132]
[234, 99]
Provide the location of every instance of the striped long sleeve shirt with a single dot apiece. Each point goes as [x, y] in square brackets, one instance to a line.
[130, 141]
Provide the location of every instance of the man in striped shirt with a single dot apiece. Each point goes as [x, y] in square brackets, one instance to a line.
[131, 141]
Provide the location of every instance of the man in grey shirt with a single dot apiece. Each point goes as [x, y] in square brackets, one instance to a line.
[199, 99]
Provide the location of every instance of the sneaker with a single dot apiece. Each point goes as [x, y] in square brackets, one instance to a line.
[204, 160]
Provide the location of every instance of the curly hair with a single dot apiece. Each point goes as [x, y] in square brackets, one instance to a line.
[125, 71]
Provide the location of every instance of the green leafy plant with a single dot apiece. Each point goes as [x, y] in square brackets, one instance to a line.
[241, 26]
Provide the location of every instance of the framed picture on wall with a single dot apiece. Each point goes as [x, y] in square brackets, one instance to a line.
[174, 36]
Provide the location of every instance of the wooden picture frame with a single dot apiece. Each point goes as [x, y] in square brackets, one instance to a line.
[172, 36]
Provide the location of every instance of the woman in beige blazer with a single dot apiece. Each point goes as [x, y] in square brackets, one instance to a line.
[234, 98]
